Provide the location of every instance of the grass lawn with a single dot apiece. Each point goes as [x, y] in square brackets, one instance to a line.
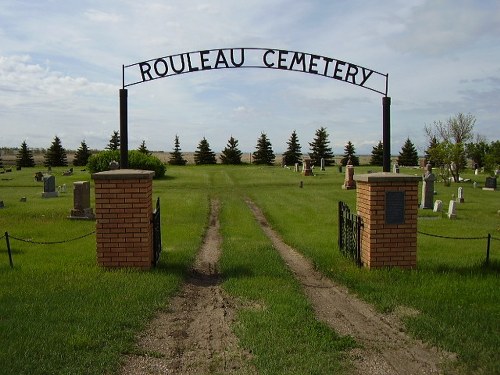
[62, 314]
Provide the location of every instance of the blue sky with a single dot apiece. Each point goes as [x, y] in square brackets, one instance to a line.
[61, 60]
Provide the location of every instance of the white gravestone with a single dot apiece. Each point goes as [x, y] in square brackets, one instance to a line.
[452, 210]
[438, 206]
[460, 195]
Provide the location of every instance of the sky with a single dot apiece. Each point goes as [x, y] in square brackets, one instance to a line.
[61, 71]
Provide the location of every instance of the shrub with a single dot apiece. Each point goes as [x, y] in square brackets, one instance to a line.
[136, 160]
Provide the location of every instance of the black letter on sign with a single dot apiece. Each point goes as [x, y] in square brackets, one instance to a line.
[165, 67]
[173, 65]
[221, 59]
[237, 65]
[338, 69]
[298, 58]
[365, 77]
[282, 59]
[269, 65]
[190, 66]
[145, 68]
[354, 68]
[204, 60]
[313, 64]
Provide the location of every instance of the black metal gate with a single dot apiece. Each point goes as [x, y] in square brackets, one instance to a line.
[156, 233]
[349, 233]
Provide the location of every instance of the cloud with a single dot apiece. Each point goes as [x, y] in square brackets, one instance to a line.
[434, 28]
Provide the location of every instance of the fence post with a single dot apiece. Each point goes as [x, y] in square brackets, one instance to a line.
[8, 249]
[488, 250]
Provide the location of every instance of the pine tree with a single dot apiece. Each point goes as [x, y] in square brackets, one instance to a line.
[176, 156]
[24, 157]
[350, 153]
[143, 149]
[293, 154]
[203, 154]
[408, 155]
[264, 152]
[431, 156]
[55, 156]
[231, 154]
[377, 154]
[82, 155]
[114, 142]
[320, 149]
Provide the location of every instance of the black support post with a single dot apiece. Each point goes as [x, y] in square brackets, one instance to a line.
[123, 129]
[386, 121]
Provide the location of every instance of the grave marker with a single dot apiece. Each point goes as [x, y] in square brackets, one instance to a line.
[49, 187]
[460, 198]
[81, 201]
[428, 187]
[438, 206]
[452, 209]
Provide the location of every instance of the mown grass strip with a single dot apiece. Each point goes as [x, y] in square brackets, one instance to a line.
[276, 322]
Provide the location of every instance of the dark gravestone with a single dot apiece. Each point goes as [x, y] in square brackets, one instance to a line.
[490, 183]
[395, 207]
[49, 187]
[81, 201]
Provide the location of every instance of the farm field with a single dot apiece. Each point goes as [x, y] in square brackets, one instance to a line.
[62, 314]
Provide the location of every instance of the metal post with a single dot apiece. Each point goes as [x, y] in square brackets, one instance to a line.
[386, 139]
[8, 249]
[123, 129]
[488, 250]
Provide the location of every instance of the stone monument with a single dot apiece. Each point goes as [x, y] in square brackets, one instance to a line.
[438, 206]
[81, 202]
[460, 198]
[452, 209]
[307, 168]
[49, 187]
[349, 182]
[428, 188]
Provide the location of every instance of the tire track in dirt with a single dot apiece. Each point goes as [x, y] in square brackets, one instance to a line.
[193, 335]
[385, 347]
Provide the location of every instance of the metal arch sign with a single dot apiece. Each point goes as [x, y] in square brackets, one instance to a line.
[267, 58]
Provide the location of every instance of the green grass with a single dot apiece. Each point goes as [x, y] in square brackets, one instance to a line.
[60, 313]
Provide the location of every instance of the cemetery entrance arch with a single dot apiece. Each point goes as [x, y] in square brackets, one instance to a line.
[266, 58]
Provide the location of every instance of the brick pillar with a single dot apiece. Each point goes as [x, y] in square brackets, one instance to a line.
[388, 205]
[124, 207]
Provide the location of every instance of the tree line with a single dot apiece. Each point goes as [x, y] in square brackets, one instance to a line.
[450, 144]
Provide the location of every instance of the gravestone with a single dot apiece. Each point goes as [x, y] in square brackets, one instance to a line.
[460, 198]
[490, 183]
[322, 164]
[349, 182]
[49, 187]
[395, 168]
[296, 167]
[428, 187]
[438, 206]
[38, 176]
[307, 168]
[81, 201]
[452, 209]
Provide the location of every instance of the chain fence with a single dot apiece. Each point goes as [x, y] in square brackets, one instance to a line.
[9, 237]
[488, 239]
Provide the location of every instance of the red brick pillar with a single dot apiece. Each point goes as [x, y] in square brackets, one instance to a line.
[124, 207]
[387, 204]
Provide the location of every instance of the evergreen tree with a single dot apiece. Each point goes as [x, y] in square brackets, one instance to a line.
[350, 153]
[408, 155]
[231, 154]
[320, 149]
[114, 142]
[24, 157]
[143, 149]
[293, 154]
[264, 152]
[431, 156]
[82, 155]
[203, 154]
[176, 156]
[377, 155]
[55, 156]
